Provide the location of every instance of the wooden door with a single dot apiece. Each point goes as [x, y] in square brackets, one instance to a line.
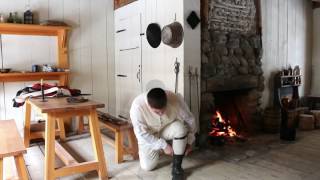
[128, 62]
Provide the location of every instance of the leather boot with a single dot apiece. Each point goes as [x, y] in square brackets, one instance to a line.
[177, 171]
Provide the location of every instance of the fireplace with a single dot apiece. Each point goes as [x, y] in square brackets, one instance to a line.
[232, 79]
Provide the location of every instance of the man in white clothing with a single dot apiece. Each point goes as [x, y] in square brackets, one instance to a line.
[157, 117]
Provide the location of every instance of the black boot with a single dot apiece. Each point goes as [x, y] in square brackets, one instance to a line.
[177, 171]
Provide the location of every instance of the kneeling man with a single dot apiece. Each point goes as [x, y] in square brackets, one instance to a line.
[157, 117]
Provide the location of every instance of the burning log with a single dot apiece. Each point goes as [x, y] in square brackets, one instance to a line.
[221, 127]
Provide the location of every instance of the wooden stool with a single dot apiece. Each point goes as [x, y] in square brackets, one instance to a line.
[11, 144]
[121, 129]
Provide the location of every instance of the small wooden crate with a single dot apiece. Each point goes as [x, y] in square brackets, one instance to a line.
[306, 122]
[316, 114]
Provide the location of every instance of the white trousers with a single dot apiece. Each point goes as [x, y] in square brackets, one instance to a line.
[149, 158]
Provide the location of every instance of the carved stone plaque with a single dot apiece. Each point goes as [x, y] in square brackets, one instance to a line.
[237, 16]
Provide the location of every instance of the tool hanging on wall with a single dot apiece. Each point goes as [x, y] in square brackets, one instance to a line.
[190, 87]
[196, 74]
[176, 71]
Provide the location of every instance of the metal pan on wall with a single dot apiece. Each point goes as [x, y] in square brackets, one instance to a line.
[154, 35]
[172, 34]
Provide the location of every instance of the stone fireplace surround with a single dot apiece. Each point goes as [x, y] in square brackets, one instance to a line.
[231, 64]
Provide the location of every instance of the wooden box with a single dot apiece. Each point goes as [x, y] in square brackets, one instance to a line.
[306, 122]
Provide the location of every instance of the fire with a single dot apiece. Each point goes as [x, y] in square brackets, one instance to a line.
[221, 127]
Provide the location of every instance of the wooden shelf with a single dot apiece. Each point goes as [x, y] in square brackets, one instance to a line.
[290, 85]
[31, 29]
[30, 76]
[61, 32]
[290, 76]
[121, 3]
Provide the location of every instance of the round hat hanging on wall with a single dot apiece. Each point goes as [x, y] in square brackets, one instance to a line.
[154, 35]
[172, 34]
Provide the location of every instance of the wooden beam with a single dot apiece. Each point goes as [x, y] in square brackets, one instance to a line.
[204, 12]
[78, 168]
[120, 3]
[258, 16]
[21, 167]
[65, 157]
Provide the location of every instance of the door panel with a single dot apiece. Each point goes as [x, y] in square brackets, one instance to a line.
[128, 62]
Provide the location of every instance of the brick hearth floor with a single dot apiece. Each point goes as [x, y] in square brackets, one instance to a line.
[264, 157]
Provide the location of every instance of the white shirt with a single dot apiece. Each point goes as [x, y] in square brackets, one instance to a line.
[148, 124]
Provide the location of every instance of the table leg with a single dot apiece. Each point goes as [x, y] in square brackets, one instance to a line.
[21, 167]
[49, 148]
[61, 129]
[133, 143]
[27, 125]
[80, 124]
[97, 144]
[1, 168]
[119, 147]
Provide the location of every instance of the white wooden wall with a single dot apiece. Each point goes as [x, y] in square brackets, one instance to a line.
[286, 34]
[316, 53]
[91, 49]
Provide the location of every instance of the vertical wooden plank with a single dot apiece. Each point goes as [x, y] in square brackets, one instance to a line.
[83, 79]
[61, 129]
[21, 167]
[111, 58]
[27, 123]
[55, 12]
[1, 168]
[283, 33]
[275, 35]
[291, 31]
[99, 51]
[266, 40]
[97, 144]
[133, 143]
[118, 147]
[49, 148]
[316, 54]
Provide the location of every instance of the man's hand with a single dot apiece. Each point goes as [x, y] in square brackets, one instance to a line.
[168, 150]
[188, 150]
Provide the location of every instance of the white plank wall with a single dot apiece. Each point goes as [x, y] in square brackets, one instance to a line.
[316, 53]
[91, 49]
[286, 35]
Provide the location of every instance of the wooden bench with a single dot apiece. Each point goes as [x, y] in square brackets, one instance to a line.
[11, 144]
[121, 129]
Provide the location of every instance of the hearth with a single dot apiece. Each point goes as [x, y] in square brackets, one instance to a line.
[232, 79]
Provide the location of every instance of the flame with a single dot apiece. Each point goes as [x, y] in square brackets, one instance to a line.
[226, 129]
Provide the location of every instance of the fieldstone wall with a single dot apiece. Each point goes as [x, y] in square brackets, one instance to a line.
[231, 59]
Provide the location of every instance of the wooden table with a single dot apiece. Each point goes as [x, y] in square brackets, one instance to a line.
[59, 109]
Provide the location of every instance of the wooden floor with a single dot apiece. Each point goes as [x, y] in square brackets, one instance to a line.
[264, 157]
